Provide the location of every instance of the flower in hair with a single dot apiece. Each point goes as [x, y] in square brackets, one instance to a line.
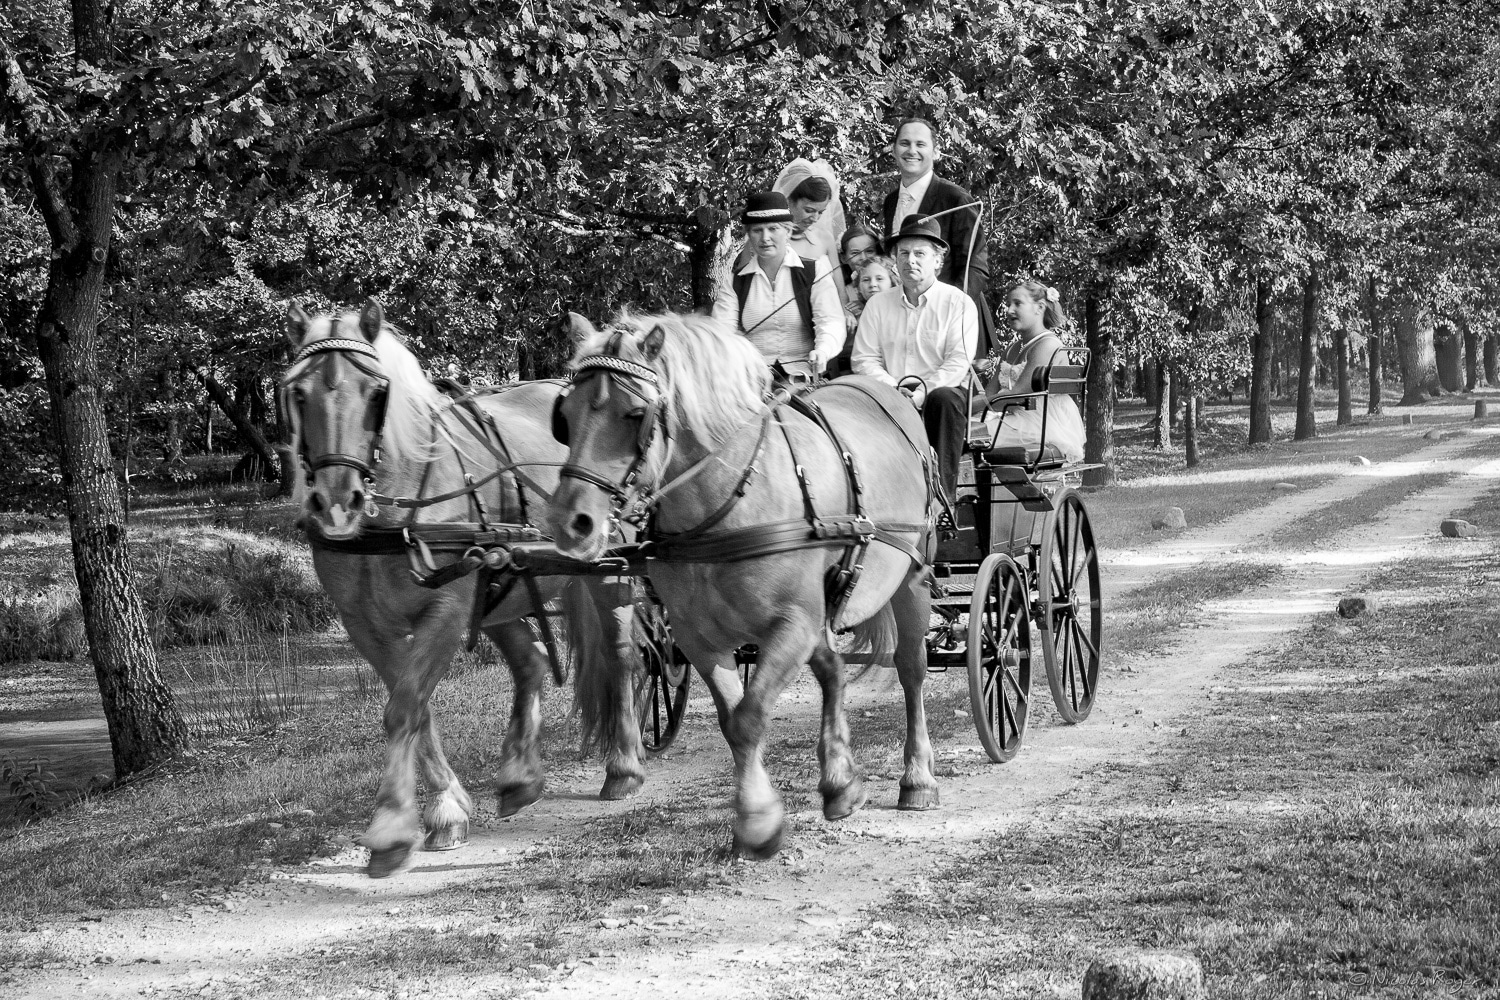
[1052, 295]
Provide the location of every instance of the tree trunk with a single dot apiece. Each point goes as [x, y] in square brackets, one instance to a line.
[1448, 348]
[1189, 423]
[1471, 358]
[171, 438]
[145, 727]
[1260, 366]
[1150, 384]
[1307, 418]
[1492, 358]
[1173, 382]
[1341, 375]
[1418, 359]
[1161, 426]
[1099, 401]
[702, 243]
[1373, 349]
[250, 435]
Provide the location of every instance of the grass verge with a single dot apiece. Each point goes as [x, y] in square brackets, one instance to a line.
[1328, 831]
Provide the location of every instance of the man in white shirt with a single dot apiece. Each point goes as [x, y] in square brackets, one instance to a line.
[788, 307]
[925, 331]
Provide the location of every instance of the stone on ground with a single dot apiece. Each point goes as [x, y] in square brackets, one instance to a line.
[1454, 527]
[1286, 487]
[1481, 409]
[1353, 607]
[1172, 517]
[1359, 460]
[1436, 436]
[1143, 975]
[1406, 418]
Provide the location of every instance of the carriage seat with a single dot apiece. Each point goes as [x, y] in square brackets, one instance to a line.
[1019, 455]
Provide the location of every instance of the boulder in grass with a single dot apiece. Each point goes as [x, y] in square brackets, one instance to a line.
[1353, 607]
[1454, 527]
[1286, 487]
[1172, 517]
[1144, 975]
[1437, 436]
[1359, 460]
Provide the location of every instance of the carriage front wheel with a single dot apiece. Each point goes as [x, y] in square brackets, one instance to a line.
[662, 686]
[1069, 612]
[999, 656]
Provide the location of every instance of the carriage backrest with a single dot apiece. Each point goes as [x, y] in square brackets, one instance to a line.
[1065, 374]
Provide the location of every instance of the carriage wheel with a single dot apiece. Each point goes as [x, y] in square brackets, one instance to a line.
[1069, 612]
[999, 656]
[662, 688]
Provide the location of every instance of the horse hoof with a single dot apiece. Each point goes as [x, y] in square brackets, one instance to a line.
[447, 838]
[387, 861]
[514, 798]
[917, 799]
[621, 786]
[845, 802]
[758, 852]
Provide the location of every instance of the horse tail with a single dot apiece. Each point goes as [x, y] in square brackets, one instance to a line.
[596, 680]
[875, 636]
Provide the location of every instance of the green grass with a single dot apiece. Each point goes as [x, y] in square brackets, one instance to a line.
[1330, 831]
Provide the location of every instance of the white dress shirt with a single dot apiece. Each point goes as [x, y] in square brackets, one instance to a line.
[771, 318]
[934, 339]
[909, 199]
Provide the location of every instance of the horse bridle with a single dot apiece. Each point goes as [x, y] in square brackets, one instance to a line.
[355, 351]
[634, 378]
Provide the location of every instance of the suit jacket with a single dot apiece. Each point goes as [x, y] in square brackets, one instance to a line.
[957, 229]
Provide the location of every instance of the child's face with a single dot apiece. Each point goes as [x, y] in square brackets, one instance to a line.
[859, 251]
[873, 280]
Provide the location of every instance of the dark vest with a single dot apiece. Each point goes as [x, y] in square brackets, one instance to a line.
[802, 281]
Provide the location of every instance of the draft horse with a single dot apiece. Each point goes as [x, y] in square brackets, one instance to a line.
[393, 474]
[766, 520]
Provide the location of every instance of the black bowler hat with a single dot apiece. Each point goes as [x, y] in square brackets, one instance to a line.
[766, 206]
[919, 227]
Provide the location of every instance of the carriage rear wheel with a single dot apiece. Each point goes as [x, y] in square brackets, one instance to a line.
[1069, 611]
[999, 656]
[662, 687]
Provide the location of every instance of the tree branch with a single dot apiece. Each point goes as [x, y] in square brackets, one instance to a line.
[53, 206]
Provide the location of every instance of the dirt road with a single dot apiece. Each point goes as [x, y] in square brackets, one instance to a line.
[793, 909]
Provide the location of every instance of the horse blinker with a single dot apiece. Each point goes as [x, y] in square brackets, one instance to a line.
[559, 422]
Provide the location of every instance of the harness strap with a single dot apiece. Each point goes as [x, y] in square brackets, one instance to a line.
[545, 620]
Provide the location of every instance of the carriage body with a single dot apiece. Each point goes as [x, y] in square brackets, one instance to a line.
[1019, 573]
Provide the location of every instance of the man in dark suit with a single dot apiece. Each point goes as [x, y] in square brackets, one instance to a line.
[923, 193]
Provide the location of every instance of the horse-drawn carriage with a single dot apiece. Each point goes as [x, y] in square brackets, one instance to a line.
[674, 454]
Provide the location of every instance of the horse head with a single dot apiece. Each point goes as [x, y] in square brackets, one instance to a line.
[609, 417]
[334, 395]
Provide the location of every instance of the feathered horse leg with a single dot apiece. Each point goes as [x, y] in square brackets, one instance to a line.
[912, 605]
[519, 782]
[607, 667]
[843, 791]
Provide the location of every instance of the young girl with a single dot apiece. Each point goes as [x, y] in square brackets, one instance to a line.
[1034, 312]
[876, 275]
[858, 246]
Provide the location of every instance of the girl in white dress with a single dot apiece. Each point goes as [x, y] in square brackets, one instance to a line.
[1034, 312]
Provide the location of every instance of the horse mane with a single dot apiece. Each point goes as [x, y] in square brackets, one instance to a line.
[712, 380]
[411, 400]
